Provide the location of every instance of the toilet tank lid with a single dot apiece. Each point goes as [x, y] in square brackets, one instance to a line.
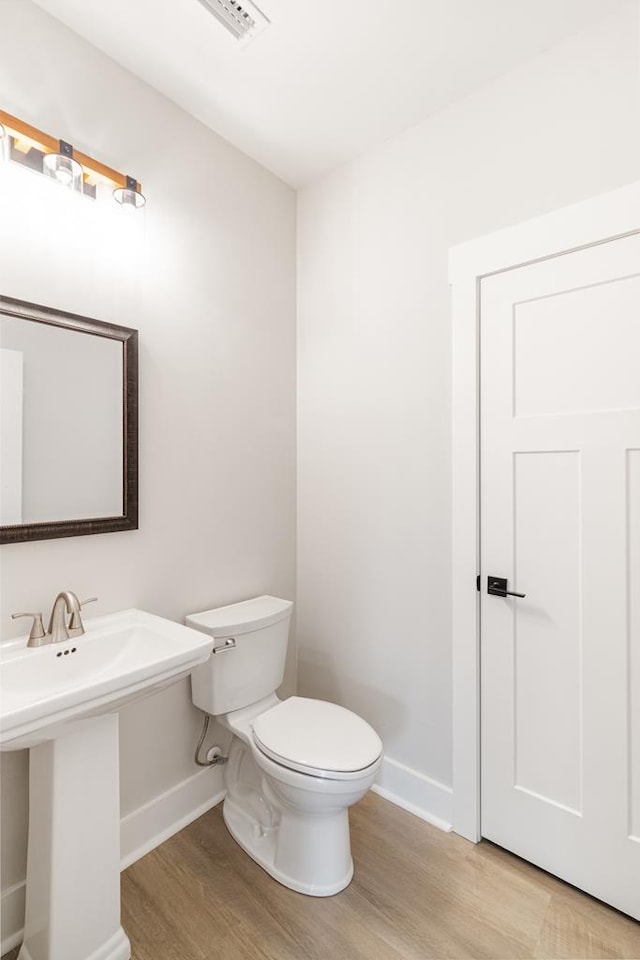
[244, 617]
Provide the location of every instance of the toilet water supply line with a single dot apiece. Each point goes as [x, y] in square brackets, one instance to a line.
[214, 754]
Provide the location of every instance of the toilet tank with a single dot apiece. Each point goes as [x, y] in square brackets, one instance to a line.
[251, 643]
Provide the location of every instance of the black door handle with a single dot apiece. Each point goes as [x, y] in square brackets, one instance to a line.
[497, 587]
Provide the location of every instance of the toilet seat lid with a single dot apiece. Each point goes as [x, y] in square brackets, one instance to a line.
[316, 737]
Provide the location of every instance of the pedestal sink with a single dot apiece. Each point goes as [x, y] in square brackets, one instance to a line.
[61, 701]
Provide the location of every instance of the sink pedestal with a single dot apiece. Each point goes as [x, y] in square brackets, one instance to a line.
[73, 861]
[61, 701]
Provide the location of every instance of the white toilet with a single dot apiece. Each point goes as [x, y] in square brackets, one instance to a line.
[296, 765]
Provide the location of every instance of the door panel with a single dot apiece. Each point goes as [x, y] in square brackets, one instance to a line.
[596, 321]
[560, 518]
[633, 593]
[547, 641]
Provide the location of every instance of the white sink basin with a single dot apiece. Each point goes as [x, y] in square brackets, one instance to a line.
[61, 700]
[121, 657]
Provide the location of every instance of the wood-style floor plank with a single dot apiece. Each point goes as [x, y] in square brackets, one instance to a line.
[417, 894]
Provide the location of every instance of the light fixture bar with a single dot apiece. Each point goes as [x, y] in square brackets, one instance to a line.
[52, 144]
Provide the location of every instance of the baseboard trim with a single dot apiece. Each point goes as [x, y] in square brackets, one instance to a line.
[12, 913]
[150, 825]
[425, 798]
[140, 832]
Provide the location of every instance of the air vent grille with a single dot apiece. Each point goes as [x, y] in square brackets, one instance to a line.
[242, 18]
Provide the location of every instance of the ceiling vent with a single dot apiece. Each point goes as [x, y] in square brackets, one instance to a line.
[242, 18]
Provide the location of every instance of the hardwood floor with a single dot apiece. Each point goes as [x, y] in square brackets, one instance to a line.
[417, 893]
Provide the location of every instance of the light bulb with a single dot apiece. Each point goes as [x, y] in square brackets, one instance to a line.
[63, 176]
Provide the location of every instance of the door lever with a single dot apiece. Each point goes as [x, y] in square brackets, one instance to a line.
[497, 587]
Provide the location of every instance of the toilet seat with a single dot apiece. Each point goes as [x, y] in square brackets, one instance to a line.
[318, 738]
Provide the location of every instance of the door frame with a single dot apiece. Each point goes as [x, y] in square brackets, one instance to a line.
[605, 217]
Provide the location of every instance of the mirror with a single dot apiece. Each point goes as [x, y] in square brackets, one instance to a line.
[68, 424]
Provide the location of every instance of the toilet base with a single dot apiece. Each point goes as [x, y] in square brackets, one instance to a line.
[264, 846]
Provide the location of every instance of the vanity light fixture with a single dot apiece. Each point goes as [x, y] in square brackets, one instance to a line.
[57, 159]
[62, 167]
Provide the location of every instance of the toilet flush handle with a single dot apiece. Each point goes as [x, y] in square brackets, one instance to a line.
[225, 645]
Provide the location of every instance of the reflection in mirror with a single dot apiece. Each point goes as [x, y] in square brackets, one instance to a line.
[62, 409]
[68, 424]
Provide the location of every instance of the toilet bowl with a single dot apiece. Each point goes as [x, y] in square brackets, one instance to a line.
[295, 766]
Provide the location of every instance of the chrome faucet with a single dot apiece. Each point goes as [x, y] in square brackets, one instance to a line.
[65, 604]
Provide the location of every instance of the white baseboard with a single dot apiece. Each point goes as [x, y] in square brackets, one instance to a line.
[150, 825]
[12, 916]
[140, 832]
[413, 791]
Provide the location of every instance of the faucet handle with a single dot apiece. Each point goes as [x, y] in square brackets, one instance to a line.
[37, 629]
[75, 622]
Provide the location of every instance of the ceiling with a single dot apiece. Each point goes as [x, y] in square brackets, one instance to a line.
[329, 78]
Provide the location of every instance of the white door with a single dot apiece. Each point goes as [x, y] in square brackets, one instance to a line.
[560, 520]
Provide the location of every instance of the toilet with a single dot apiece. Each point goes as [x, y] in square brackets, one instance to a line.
[295, 766]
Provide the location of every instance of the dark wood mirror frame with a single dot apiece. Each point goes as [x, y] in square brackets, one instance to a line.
[129, 338]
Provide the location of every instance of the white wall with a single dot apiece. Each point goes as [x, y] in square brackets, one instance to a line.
[374, 357]
[208, 277]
